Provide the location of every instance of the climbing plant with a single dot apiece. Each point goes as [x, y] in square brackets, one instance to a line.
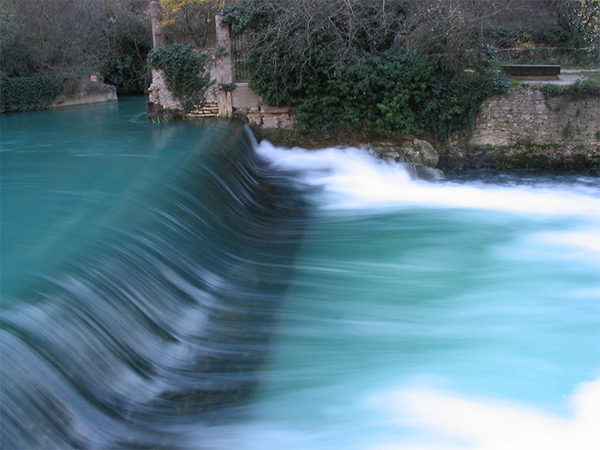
[185, 72]
[31, 93]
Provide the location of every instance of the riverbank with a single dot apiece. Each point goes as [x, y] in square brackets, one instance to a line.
[34, 93]
[454, 158]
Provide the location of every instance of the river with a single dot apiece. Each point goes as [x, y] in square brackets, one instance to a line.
[177, 285]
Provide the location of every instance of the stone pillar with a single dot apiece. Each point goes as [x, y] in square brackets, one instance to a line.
[158, 37]
[160, 98]
[223, 73]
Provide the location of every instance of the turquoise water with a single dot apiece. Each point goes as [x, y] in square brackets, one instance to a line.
[65, 171]
[457, 314]
[442, 293]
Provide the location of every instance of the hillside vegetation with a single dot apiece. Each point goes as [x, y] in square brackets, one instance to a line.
[392, 65]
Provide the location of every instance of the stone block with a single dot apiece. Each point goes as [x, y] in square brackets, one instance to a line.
[277, 121]
[275, 109]
[245, 99]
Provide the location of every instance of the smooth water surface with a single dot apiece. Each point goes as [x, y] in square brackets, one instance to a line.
[456, 314]
[64, 171]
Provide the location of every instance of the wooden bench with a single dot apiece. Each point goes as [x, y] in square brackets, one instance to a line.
[533, 71]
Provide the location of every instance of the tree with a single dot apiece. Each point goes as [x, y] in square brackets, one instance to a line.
[292, 42]
[126, 28]
[578, 22]
[41, 37]
[393, 65]
[190, 21]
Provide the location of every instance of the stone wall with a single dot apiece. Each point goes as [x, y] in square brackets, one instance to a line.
[526, 116]
[159, 95]
[223, 98]
[249, 105]
[209, 109]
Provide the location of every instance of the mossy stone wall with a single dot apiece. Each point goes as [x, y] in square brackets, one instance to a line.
[526, 115]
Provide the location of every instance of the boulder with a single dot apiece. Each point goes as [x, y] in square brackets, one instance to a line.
[410, 154]
[421, 172]
[427, 154]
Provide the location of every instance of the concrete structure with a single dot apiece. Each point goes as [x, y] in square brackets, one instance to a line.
[91, 90]
[533, 71]
[159, 96]
[158, 37]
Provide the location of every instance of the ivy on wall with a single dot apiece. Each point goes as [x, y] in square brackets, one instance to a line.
[185, 72]
[30, 93]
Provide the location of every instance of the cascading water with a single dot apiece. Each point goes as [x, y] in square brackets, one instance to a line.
[164, 287]
[167, 313]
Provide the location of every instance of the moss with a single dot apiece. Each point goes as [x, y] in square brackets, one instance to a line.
[526, 156]
[567, 131]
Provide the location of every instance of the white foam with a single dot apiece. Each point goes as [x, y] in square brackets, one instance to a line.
[460, 423]
[353, 179]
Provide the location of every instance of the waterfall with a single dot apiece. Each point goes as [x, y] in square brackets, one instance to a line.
[165, 318]
[177, 286]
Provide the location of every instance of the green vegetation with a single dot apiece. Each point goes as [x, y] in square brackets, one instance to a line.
[576, 91]
[408, 66]
[30, 93]
[185, 72]
[47, 38]
[348, 64]
[565, 57]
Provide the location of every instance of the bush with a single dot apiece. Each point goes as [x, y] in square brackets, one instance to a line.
[127, 71]
[577, 91]
[184, 71]
[398, 93]
[30, 93]
[345, 64]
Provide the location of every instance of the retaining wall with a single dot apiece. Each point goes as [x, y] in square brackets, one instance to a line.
[526, 116]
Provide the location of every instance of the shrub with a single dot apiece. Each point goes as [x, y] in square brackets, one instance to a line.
[30, 93]
[184, 71]
[402, 93]
[344, 64]
[577, 91]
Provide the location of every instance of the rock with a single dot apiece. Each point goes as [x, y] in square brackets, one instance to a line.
[410, 155]
[428, 155]
[390, 156]
[421, 172]
[408, 152]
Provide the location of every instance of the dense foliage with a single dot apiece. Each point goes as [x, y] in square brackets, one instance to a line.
[348, 63]
[395, 92]
[30, 93]
[184, 70]
[189, 21]
[66, 37]
[577, 91]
